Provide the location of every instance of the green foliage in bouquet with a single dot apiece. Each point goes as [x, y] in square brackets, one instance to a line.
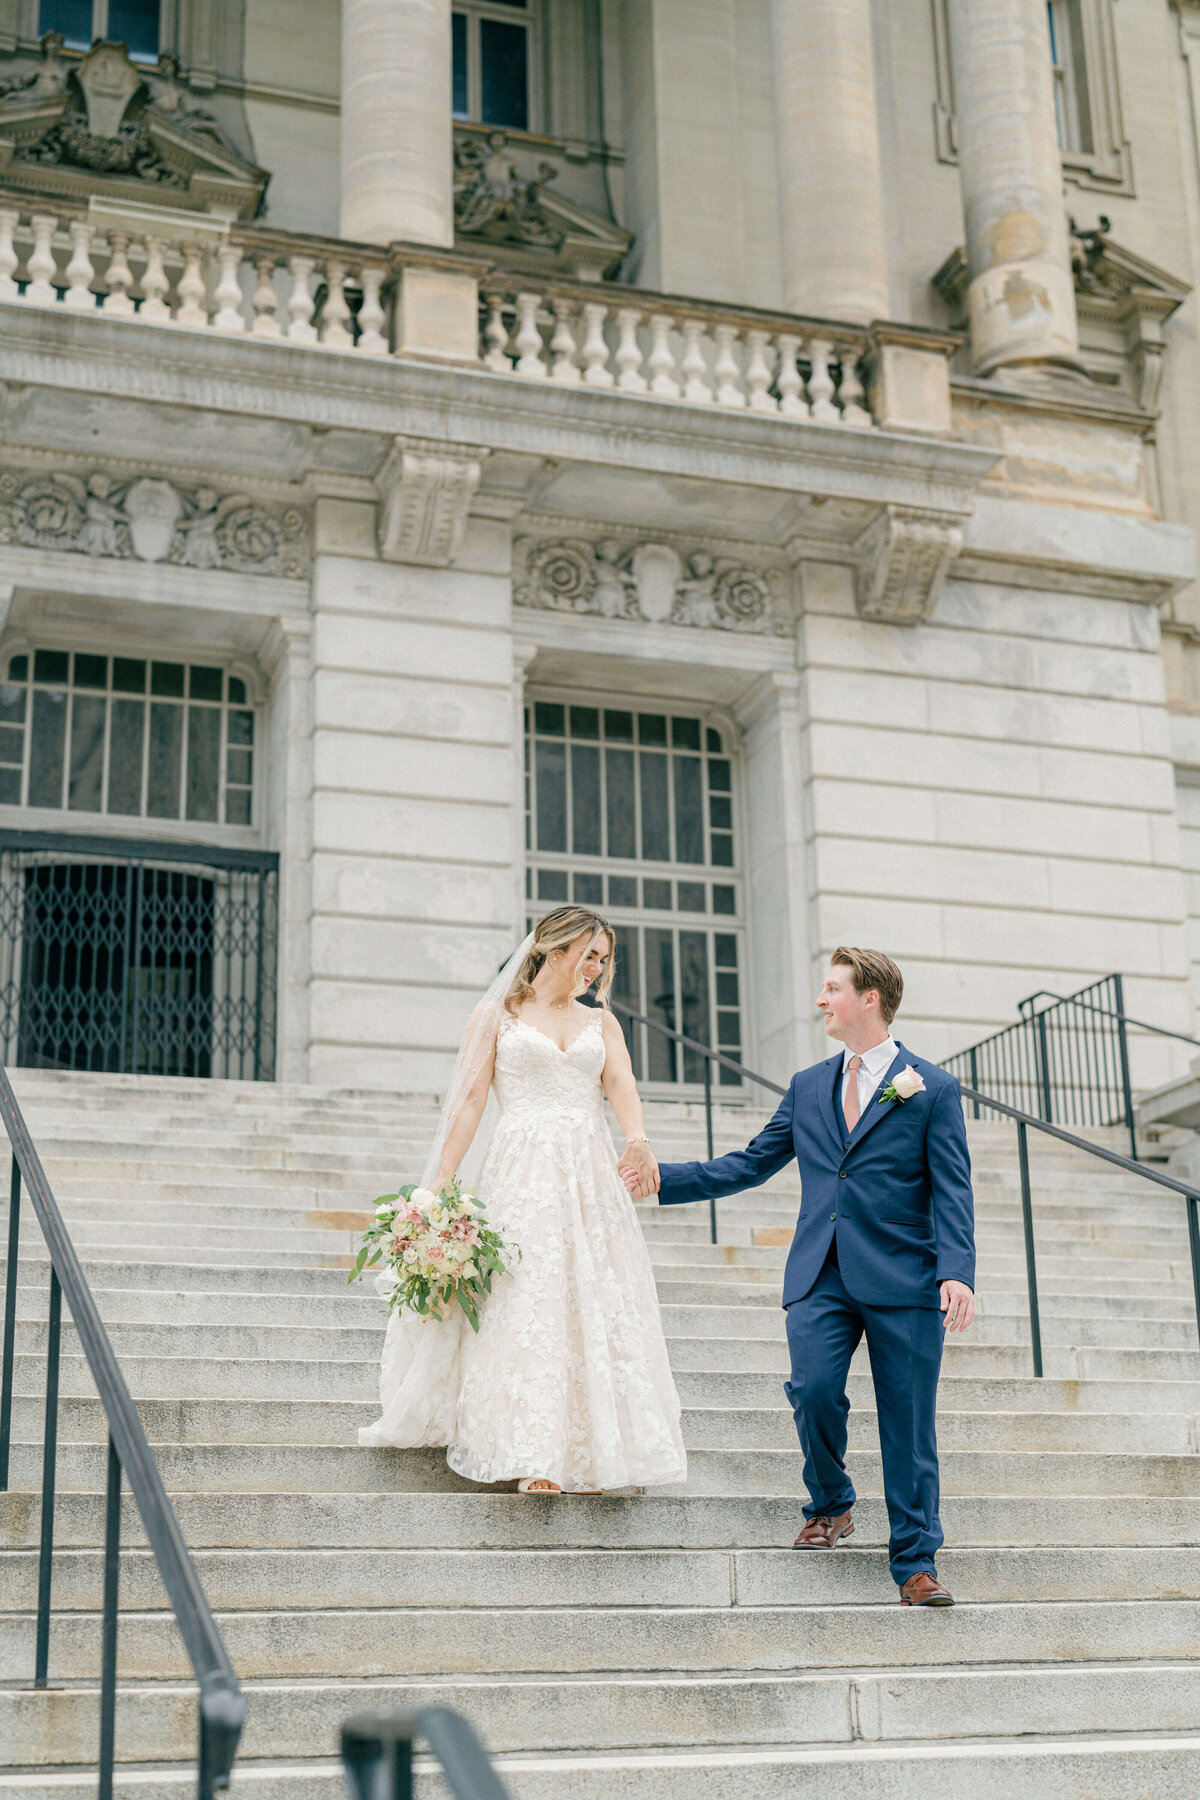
[437, 1247]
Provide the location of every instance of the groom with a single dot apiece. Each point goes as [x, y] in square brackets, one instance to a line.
[884, 1248]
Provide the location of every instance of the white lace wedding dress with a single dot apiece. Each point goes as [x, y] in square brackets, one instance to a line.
[568, 1377]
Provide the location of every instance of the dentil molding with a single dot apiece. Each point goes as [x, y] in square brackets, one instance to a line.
[651, 582]
[901, 562]
[425, 490]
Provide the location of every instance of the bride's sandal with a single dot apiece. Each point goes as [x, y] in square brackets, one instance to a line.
[537, 1484]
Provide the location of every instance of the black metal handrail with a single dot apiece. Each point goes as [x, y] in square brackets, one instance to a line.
[222, 1707]
[377, 1754]
[1181, 1037]
[710, 1056]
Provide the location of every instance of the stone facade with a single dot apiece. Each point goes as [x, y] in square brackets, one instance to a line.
[871, 500]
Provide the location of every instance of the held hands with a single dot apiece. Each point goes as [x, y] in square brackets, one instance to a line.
[639, 1170]
[958, 1304]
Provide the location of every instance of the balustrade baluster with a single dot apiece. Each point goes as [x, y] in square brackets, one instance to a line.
[528, 340]
[265, 300]
[725, 370]
[820, 382]
[495, 336]
[371, 317]
[10, 219]
[154, 284]
[117, 303]
[850, 391]
[80, 272]
[790, 382]
[661, 361]
[335, 312]
[693, 368]
[628, 357]
[193, 295]
[300, 301]
[596, 372]
[565, 369]
[759, 370]
[42, 269]
[228, 291]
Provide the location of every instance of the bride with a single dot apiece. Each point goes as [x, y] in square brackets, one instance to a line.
[566, 1387]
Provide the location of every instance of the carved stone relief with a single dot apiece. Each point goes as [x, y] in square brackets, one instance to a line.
[901, 563]
[650, 582]
[425, 491]
[150, 519]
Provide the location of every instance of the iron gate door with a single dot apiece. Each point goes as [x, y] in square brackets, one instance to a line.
[137, 958]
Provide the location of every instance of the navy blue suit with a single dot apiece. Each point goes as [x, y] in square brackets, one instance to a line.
[886, 1214]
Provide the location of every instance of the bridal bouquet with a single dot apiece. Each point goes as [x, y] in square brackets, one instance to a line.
[437, 1248]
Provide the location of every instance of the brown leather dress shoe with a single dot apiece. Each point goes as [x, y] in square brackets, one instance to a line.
[924, 1589]
[822, 1533]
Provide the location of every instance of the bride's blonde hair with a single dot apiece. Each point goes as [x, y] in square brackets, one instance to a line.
[556, 931]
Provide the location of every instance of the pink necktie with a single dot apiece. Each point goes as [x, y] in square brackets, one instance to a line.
[851, 1101]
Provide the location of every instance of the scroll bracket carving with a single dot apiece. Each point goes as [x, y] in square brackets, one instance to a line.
[425, 490]
[901, 562]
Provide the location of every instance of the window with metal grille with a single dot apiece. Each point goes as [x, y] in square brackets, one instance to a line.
[126, 736]
[134, 23]
[632, 811]
[492, 62]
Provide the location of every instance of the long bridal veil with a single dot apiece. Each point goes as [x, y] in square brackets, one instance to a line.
[419, 1376]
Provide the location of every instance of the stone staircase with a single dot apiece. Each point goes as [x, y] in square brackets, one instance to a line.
[666, 1647]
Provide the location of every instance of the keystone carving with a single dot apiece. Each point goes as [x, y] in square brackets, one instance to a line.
[901, 562]
[425, 491]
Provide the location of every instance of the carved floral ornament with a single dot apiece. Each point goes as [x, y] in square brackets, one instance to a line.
[650, 582]
[150, 519]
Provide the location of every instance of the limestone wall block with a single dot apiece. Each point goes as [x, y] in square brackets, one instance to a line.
[434, 709]
[443, 652]
[399, 951]
[469, 833]
[382, 763]
[395, 887]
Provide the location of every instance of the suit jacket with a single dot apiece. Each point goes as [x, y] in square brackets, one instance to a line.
[896, 1191]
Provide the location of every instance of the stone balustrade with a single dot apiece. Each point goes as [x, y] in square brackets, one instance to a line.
[707, 355]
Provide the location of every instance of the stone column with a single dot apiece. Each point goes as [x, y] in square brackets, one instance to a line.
[397, 144]
[827, 138]
[1021, 297]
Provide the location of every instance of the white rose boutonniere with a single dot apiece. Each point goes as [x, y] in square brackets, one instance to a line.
[906, 1084]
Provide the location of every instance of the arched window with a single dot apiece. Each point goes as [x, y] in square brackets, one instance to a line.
[631, 810]
[134, 23]
[494, 62]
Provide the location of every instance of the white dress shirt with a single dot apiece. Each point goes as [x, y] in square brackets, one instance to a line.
[871, 1071]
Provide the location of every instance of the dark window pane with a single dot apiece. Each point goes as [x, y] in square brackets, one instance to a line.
[237, 806]
[91, 671]
[552, 884]
[727, 1077]
[10, 787]
[693, 896]
[237, 770]
[619, 727]
[724, 900]
[18, 668]
[585, 799]
[656, 821]
[50, 665]
[693, 988]
[551, 796]
[12, 744]
[46, 758]
[718, 776]
[713, 740]
[504, 73]
[72, 17]
[627, 987]
[528, 887]
[237, 691]
[166, 759]
[204, 684]
[619, 803]
[720, 812]
[12, 705]
[458, 41]
[685, 734]
[657, 894]
[125, 757]
[729, 1029]
[129, 675]
[589, 890]
[203, 759]
[689, 811]
[722, 851]
[585, 721]
[725, 950]
[727, 988]
[622, 890]
[87, 752]
[549, 720]
[135, 24]
[241, 728]
[660, 1002]
[652, 728]
[167, 679]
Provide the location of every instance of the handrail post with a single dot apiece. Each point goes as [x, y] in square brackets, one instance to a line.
[974, 1080]
[1123, 1045]
[1043, 1046]
[1193, 1219]
[708, 1126]
[1035, 1324]
[10, 1321]
[41, 1666]
[108, 1629]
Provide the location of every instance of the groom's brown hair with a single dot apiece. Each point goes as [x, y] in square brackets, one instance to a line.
[872, 969]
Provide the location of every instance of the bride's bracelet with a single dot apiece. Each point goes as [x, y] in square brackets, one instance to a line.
[637, 1140]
